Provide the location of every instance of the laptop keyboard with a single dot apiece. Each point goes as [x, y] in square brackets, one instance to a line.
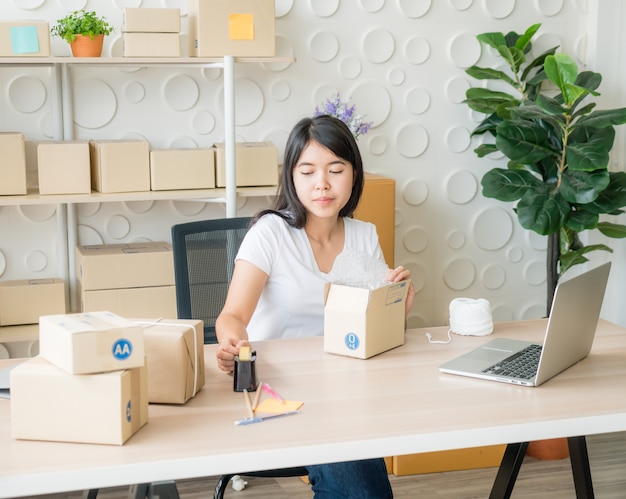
[522, 364]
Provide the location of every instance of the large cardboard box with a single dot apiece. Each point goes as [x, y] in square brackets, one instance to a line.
[182, 169]
[153, 301]
[13, 164]
[47, 403]
[256, 164]
[151, 44]
[24, 38]
[360, 323]
[90, 342]
[131, 265]
[63, 167]
[150, 20]
[24, 301]
[244, 28]
[175, 359]
[120, 165]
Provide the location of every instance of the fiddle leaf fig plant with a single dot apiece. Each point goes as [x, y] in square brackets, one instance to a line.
[557, 144]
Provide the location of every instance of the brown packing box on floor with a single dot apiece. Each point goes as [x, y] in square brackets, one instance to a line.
[24, 38]
[241, 28]
[120, 165]
[132, 265]
[90, 342]
[13, 164]
[172, 169]
[152, 301]
[151, 44]
[360, 322]
[150, 20]
[256, 164]
[63, 167]
[175, 359]
[24, 301]
[48, 403]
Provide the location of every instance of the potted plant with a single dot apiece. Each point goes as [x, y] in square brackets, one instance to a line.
[84, 31]
[557, 145]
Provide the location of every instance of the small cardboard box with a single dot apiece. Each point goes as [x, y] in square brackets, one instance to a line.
[153, 301]
[256, 164]
[120, 165]
[49, 404]
[151, 44]
[241, 28]
[13, 164]
[150, 20]
[361, 323]
[24, 38]
[91, 342]
[172, 169]
[24, 301]
[131, 265]
[63, 167]
[175, 360]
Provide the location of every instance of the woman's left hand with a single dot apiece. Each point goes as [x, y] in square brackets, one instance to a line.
[401, 274]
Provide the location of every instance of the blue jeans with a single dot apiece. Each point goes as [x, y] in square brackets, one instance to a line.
[365, 479]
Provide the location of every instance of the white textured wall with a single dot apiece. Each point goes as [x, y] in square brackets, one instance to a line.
[400, 61]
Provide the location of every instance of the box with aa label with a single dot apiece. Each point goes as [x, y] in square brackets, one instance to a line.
[150, 20]
[256, 164]
[23, 301]
[152, 301]
[24, 38]
[175, 359]
[13, 164]
[63, 167]
[131, 265]
[360, 322]
[120, 165]
[90, 342]
[48, 403]
[172, 169]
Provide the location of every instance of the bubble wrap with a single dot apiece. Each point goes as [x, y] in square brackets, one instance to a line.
[360, 270]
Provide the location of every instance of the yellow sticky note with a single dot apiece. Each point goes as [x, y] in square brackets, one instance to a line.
[241, 26]
[275, 407]
[244, 354]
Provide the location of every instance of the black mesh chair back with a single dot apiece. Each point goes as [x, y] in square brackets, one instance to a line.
[204, 259]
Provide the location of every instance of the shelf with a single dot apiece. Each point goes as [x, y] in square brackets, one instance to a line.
[135, 61]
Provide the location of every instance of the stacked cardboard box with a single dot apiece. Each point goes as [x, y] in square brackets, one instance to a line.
[151, 32]
[88, 385]
[172, 169]
[63, 167]
[131, 280]
[120, 165]
[256, 164]
[24, 38]
[13, 164]
[24, 301]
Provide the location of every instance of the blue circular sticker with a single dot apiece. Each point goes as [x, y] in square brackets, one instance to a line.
[352, 341]
[122, 349]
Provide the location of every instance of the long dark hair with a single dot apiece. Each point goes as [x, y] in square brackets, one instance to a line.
[331, 133]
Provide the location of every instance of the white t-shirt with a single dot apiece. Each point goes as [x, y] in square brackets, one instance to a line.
[292, 302]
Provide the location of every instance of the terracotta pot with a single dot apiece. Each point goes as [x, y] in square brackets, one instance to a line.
[551, 449]
[84, 46]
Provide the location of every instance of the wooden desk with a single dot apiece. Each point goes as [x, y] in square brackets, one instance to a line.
[395, 403]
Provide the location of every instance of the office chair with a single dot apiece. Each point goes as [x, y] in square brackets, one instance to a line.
[204, 259]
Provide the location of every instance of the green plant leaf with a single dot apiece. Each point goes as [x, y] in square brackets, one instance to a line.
[485, 149]
[523, 41]
[576, 257]
[589, 80]
[487, 101]
[489, 74]
[603, 118]
[522, 141]
[537, 63]
[543, 211]
[561, 70]
[613, 198]
[492, 39]
[508, 185]
[616, 231]
[487, 125]
[588, 148]
[579, 187]
[581, 220]
[513, 56]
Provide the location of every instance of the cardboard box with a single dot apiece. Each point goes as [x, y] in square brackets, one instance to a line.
[154, 301]
[256, 164]
[24, 301]
[131, 265]
[120, 165]
[150, 20]
[175, 360]
[151, 44]
[24, 38]
[49, 404]
[360, 323]
[91, 342]
[63, 167]
[13, 164]
[182, 169]
[489, 456]
[241, 28]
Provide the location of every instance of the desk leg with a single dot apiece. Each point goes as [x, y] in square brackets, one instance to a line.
[580, 467]
[508, 471]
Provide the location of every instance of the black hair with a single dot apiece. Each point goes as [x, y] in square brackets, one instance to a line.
[329, 132]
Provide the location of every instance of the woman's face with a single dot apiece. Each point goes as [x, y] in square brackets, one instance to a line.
[322, 180]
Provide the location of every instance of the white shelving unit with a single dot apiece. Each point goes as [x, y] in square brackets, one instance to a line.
[63, 125]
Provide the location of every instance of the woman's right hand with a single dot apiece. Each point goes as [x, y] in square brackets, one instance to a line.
[226, 351]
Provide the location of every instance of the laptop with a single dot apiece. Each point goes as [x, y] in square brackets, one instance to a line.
[569, 335]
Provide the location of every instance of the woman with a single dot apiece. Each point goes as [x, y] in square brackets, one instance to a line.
[277, 289]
